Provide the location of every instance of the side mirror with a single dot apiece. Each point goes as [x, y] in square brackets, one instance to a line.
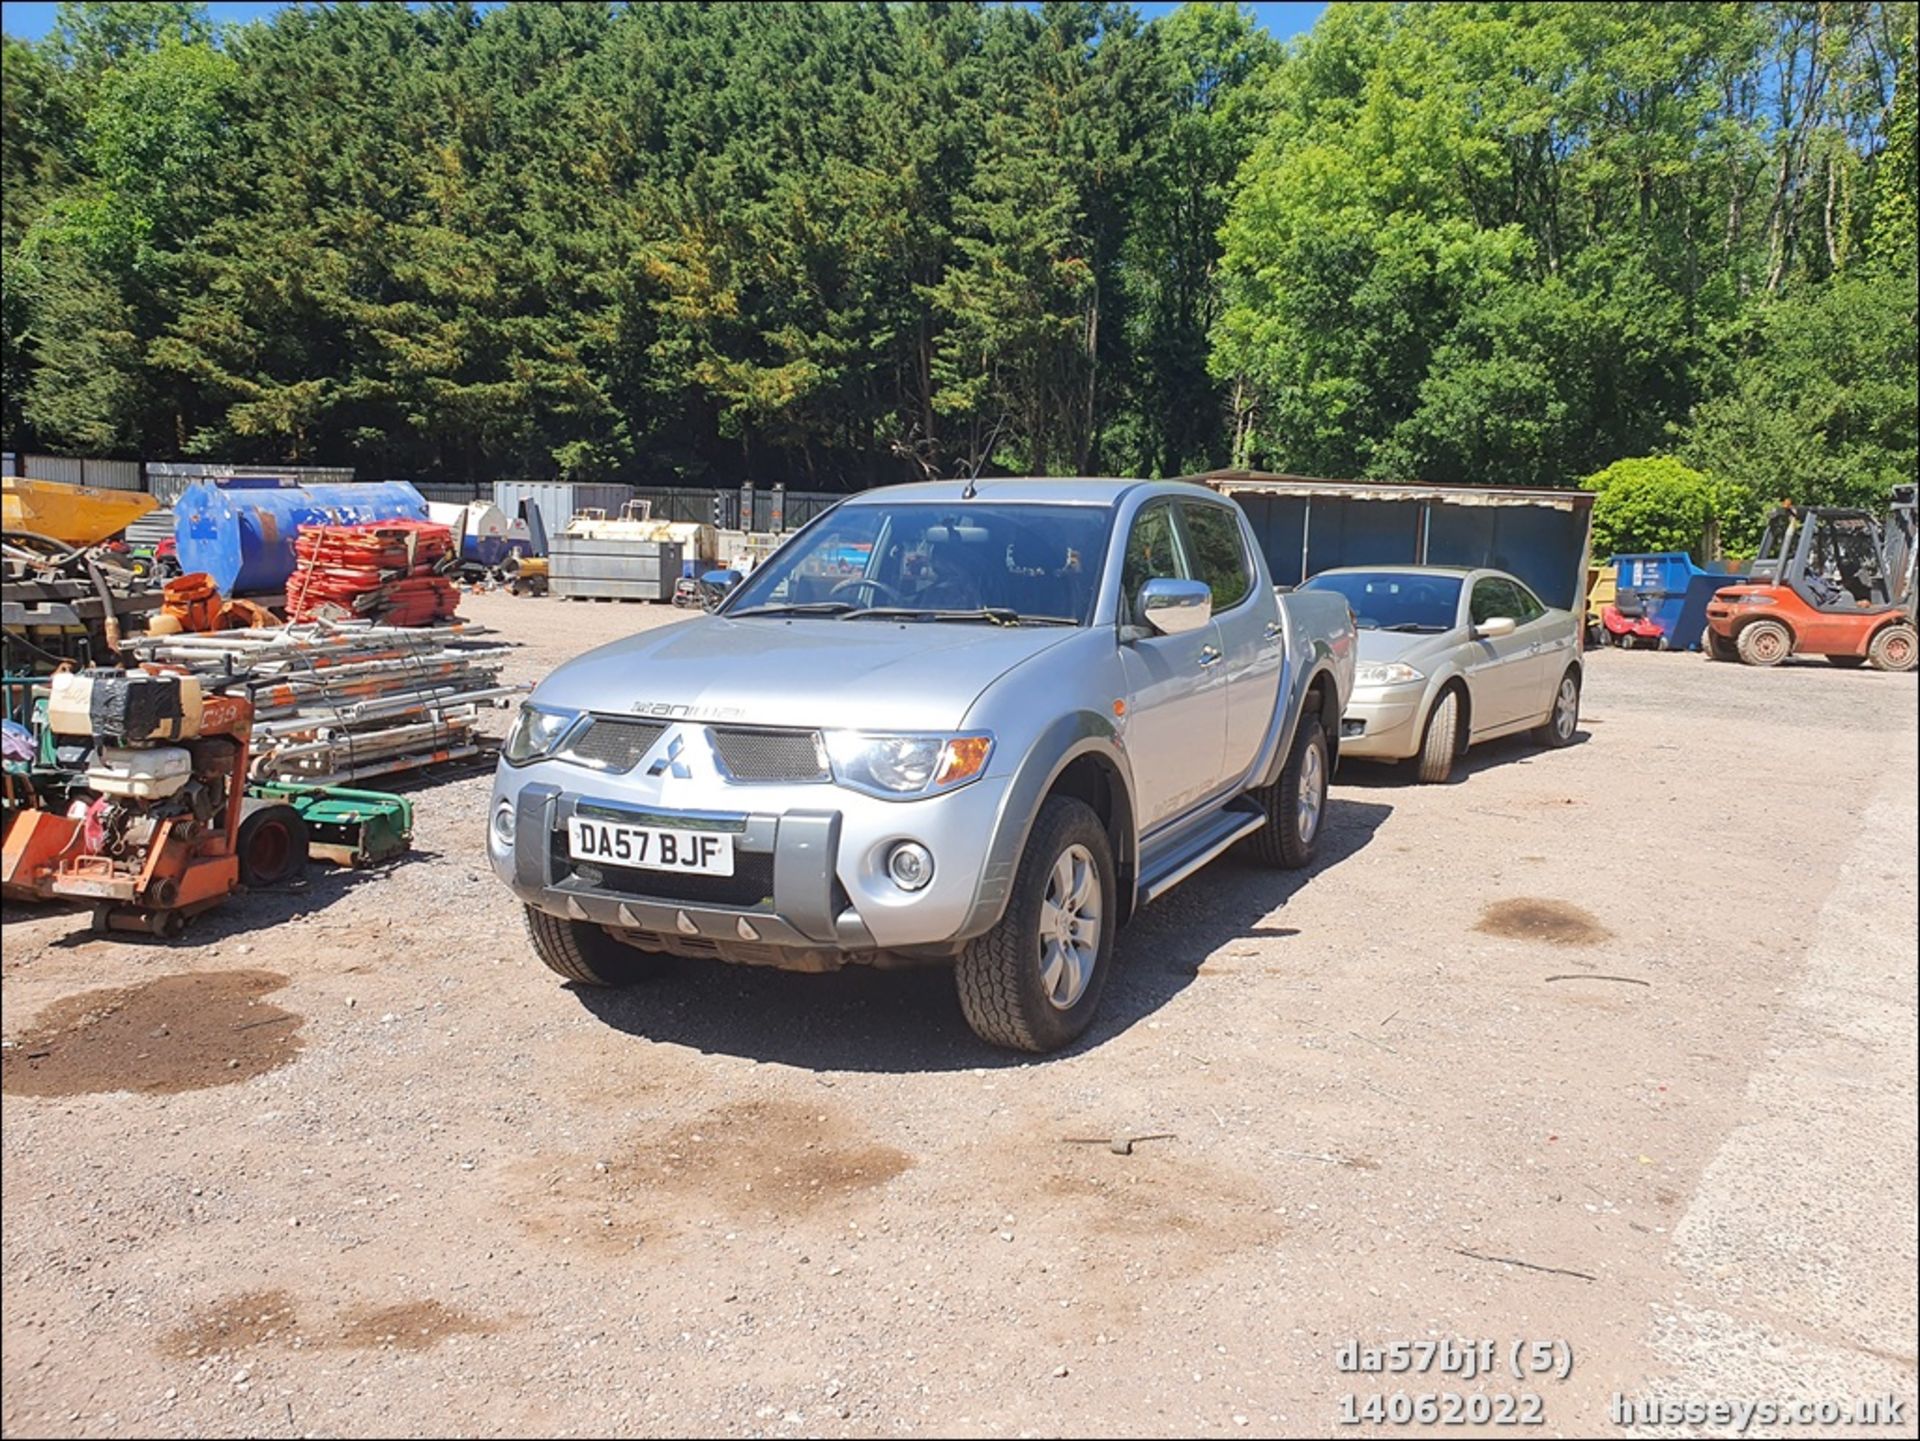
[1496, 627]
[722, 580]
[1175, 607]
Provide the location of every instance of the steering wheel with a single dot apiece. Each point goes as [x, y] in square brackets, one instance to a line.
[851, 582]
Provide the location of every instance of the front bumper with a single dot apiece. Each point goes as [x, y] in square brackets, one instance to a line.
[1383, 722]
[810, 889]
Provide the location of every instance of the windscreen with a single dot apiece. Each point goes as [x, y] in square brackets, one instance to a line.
[1395, 600]
[993, 561]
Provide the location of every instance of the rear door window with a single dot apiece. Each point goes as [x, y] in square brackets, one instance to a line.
[1219, 557]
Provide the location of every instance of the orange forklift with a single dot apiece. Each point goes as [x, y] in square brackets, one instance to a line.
[1827, 581]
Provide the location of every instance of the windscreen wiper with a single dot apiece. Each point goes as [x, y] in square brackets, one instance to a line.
[812, 607]
[993, 614]
[1418, 627]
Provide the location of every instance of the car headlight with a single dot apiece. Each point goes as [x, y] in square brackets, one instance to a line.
[1394, 673]
[536, 730]
[1757, 600]
[894, 766]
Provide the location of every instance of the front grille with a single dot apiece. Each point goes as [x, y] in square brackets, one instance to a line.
[615, 746]
[771, 755]
[749, 888]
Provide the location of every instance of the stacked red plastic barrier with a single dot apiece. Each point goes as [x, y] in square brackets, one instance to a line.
[385, 570]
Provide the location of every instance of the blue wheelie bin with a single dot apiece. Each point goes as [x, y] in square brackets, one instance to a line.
[1673, 593]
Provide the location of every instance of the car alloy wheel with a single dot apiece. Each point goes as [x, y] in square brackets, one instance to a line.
[1566, 709]
[1313, 795]
[1070, 927]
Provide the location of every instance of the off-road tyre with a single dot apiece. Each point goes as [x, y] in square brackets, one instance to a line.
[586, 954]
[1280, 843]
[998, 975]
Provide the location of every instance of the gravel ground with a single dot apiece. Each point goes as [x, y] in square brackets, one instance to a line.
[1639, 1014]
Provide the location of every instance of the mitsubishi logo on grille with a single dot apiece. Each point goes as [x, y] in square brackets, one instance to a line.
[669, 760]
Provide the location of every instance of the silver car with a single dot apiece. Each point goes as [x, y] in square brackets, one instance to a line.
[971, 724]
[1449, 657]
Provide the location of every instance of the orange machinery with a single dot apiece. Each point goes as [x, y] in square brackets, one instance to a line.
[1824, 583]
[160, 837]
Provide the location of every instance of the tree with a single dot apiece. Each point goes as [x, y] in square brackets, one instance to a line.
[1821, 404]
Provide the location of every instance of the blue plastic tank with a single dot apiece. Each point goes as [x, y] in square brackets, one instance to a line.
[240, 529]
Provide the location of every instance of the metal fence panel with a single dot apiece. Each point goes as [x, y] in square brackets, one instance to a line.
[453, 492]
[166, 479]
[57, 468]
[559, 500]
[111, 474]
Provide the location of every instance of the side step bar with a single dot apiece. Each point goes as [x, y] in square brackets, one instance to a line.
[1193, 849]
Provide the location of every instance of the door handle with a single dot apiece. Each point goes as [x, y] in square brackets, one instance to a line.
[1209, 656]
[1273, 630]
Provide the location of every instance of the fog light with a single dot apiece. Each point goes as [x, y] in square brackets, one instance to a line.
[501, 830]
[910, 865]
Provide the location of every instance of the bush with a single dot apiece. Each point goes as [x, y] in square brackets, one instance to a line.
[1654, 503]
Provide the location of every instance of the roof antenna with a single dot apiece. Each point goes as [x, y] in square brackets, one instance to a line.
[971, 487]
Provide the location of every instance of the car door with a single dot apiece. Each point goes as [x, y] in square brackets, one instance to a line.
[1501, 670]
[1250, 633]
[1551, 640]
[1176, 723]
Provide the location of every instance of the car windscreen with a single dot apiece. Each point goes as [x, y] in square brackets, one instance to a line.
[1395, 600]
[1002, 562]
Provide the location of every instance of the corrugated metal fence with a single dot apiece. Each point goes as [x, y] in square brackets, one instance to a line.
[166, 479]
[773, 510]
[70, 470]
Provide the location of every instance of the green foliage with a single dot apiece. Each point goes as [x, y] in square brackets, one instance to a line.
[1655, 503]
[1895, 242]
[1506, 242]
[1821, 404]
[845, 244]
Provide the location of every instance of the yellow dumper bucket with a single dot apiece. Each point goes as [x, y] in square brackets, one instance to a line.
[72, 514]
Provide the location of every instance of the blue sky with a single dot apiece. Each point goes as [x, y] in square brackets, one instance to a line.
[31, 21]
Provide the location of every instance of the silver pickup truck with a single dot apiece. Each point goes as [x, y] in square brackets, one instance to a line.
[976, 724]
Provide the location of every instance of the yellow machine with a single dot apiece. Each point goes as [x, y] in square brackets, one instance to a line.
[72, 514]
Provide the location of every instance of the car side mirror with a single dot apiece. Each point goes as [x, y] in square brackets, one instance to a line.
[721, 580]
[1175, 607]
[1495, 627]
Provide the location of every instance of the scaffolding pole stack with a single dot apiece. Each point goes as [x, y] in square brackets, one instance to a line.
[341, 701]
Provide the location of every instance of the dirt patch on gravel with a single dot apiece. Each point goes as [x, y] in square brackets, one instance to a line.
[235, 1324]
[259, 1318]
[179, 1033]
[1555, 922]
[409, 1326]
[773, 1159]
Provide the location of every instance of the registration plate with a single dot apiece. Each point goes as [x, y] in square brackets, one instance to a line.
[651, 848]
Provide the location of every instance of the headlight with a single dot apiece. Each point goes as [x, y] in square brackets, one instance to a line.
[535, 732]
[1397, 673]
[1757, 600]
[906, 765]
